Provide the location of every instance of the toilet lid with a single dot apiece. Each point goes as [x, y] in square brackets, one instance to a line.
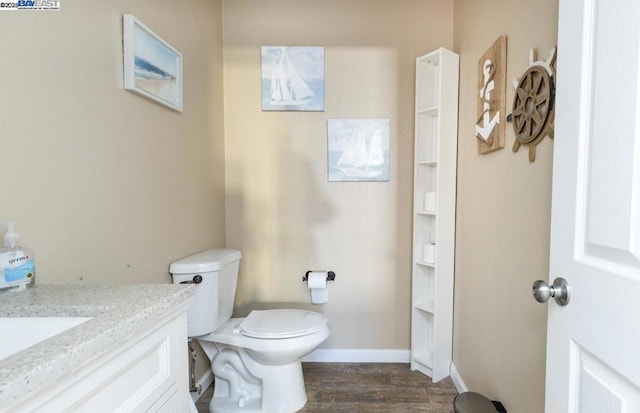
[282, 323]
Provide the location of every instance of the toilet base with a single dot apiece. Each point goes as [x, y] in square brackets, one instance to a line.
[282, 386]
[226, 405]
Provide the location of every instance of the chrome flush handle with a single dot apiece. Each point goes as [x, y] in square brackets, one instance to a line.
[197, 279]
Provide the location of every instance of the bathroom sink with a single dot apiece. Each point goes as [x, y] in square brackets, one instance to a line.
[24, 332]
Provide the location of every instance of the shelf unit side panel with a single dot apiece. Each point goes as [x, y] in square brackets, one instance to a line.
[445, 227]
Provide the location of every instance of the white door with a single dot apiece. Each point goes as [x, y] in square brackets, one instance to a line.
[593, 344]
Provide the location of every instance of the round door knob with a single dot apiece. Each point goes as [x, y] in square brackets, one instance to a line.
[542, 291]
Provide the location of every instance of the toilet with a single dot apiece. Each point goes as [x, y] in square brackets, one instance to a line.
[256, 360]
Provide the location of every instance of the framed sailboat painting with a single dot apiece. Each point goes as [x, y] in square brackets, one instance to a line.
[292, 78]
[358, 150]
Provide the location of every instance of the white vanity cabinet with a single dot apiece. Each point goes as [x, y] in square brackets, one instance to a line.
[129, 357]
[145, 373]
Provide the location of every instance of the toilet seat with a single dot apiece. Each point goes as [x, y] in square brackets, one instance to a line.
[282, 323]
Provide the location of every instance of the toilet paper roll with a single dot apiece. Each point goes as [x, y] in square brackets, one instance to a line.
[430, 201]
[429, 252]
[317, 279]
[319, 295]
[317, 283]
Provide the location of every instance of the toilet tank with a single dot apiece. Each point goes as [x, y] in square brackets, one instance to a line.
[215, 295]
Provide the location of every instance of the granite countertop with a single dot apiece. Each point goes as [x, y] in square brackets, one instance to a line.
[118, 311]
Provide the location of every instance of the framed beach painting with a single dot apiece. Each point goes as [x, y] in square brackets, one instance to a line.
[292, 78]
[358, 150]
[152, 68]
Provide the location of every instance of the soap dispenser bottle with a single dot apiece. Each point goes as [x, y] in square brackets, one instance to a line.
[17, 264]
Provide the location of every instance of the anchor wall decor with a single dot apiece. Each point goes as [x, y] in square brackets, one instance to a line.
[492, 73]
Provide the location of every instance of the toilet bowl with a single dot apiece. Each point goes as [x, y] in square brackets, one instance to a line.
[272, 360]
[256, 361]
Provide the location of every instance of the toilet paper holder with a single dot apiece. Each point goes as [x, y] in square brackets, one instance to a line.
[331, 276]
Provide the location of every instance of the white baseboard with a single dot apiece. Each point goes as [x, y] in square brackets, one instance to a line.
[358, 356]
[204, 381]
[457, 379]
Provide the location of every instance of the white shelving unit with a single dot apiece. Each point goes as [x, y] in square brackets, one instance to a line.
[434, 212]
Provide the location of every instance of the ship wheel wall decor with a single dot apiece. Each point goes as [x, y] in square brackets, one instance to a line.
[533, 103]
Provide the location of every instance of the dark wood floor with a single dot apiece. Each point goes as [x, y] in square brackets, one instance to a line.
[368, 388]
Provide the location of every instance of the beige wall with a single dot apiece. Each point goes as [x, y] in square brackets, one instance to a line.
[281, 211]
[503, 217]
[109, 187]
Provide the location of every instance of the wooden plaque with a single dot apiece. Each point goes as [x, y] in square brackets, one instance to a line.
[492, 75]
